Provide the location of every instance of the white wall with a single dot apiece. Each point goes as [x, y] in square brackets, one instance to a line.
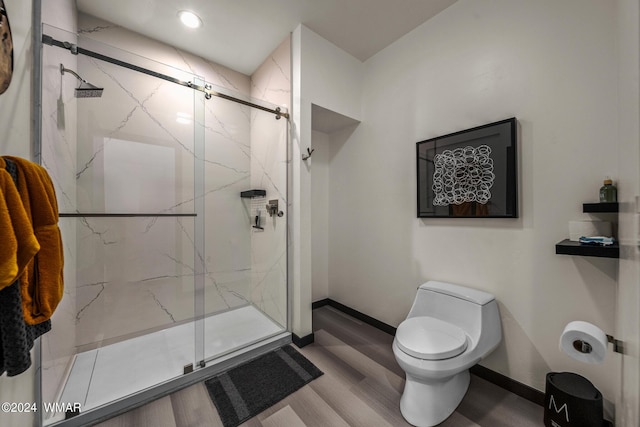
[329, 133]
[553, 65]
[324, 75]
[331, 78]
[628, 403]
[17, 140]
[320, 214]
[15, 128]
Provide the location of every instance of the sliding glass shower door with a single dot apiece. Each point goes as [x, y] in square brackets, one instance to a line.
[128, 174]
[245, 281]
[172, 194]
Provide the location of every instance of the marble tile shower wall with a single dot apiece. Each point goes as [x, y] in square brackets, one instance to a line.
[133, 274]
[127, 276]
[269, 162]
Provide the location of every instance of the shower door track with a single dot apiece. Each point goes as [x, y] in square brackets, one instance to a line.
[206, 89]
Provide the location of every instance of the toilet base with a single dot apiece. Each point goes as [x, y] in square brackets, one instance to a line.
[426, 403]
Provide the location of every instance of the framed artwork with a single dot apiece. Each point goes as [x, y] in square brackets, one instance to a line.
[469, 174]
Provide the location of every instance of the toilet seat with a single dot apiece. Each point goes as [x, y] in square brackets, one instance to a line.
[429, 338]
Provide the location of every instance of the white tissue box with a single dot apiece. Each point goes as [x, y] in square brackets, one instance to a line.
[589, 228]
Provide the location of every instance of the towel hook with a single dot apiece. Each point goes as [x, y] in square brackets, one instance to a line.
[309, 153]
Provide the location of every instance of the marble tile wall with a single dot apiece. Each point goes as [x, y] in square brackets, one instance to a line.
[271, 82]
[134, 153]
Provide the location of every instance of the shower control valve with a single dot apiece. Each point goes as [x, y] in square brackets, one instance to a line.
[272, 208]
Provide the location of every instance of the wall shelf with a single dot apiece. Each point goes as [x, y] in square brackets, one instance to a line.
[599, 207]
[249, 194]
[570, 247]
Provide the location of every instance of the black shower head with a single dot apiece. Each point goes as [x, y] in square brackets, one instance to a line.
[86, 89]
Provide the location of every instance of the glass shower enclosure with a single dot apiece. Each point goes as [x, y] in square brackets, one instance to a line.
[172, 200]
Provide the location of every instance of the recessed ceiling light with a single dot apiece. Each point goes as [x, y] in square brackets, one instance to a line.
[189, 19]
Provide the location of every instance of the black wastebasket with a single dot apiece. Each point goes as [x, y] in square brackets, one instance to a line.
[571, 400]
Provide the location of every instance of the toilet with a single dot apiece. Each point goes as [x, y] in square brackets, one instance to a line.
[449, 329]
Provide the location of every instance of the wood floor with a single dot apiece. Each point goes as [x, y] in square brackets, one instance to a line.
[361, 386]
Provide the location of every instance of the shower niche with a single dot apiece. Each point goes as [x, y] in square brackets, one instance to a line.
[162, 267]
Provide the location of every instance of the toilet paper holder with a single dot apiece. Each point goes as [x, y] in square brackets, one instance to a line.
[617, 344]
[585, 347]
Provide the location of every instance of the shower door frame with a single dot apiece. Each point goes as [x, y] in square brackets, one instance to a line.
[201, 370]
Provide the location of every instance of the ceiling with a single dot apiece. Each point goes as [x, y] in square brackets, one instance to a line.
[240, 34]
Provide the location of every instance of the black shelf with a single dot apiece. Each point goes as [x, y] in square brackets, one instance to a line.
[600, 207]
[253, 193]
[570, 247]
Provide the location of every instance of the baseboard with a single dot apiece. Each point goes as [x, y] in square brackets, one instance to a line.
[515, 387]
[302, 341]
[509, 384]
[321, 303]
[360, 316]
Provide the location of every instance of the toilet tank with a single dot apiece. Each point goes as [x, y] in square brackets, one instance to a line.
[464, 307]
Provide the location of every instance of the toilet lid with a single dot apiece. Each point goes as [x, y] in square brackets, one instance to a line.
[430, 338]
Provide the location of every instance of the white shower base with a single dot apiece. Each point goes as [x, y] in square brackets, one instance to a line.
[115, 371]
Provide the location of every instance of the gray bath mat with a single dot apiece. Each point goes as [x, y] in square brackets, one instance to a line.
[248, 389]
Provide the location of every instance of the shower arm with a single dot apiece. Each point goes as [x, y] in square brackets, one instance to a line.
[63, 70]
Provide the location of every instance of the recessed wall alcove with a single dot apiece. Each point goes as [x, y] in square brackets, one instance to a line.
[330, 132]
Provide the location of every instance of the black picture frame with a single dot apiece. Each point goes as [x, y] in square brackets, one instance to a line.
[469, 174]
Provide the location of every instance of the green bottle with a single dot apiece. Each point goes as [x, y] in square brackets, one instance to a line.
[608, 192]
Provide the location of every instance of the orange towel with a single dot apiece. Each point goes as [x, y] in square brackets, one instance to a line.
[42, 284]
[19, 244]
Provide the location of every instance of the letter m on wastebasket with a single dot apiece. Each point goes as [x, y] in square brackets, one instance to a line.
[564, 408]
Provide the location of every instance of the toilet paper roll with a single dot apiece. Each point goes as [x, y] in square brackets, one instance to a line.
[584, 342]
